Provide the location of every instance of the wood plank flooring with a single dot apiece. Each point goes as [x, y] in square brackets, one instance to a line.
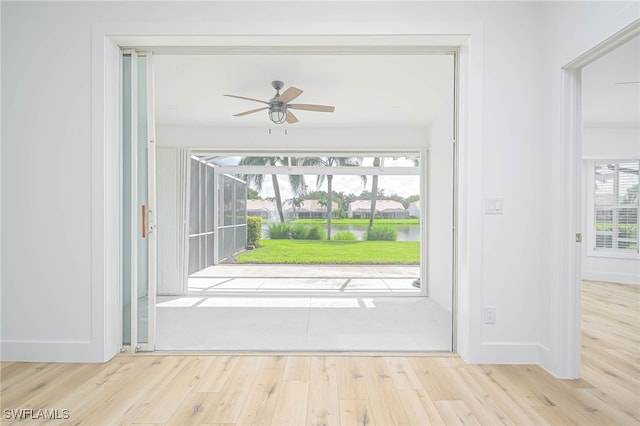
[345, 390]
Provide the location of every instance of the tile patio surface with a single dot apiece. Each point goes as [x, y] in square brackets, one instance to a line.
[330, 279]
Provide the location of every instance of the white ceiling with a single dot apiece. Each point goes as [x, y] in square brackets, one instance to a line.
[609, 94]
[366, 89]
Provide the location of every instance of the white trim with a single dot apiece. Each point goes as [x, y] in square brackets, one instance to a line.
[424, 229]
[56, 351]
[612, 254]
[608, 45]
[199, 38]
[196, 153]
[570, 294]
[615, 277]
[469, 221]
[619, 158]
[320, 170]
[509, 353]
[135, 212]
[105, 321]
[465, 35]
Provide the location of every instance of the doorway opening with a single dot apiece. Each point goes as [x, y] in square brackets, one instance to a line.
[184, 135]
[610, 257]
[299, 244]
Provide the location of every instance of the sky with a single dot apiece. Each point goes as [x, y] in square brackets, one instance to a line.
[350, 184]
[401, 185]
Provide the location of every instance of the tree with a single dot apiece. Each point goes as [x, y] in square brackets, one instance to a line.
[395, 197]
[330, 162]
[296, 203]
[296, 181]
[374, 192]
[315, 195]
[323, 202]
[410, 199]
[252, 194]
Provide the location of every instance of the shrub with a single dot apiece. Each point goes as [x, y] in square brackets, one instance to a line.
[298, 232]
[382, 233]
[344, 236]
[254, 230]
[279, 231]
[316, 232]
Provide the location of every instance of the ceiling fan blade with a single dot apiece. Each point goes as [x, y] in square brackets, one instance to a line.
[249, 99]
[290, 94]
[291, 118]
[309, 107]
[240, 114]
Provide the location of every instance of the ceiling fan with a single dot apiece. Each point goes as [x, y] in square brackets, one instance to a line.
[279, 105]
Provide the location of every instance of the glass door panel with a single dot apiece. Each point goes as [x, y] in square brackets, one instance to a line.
[138, 203]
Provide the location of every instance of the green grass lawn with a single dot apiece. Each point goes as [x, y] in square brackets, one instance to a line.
[334, 252]
[358, 221]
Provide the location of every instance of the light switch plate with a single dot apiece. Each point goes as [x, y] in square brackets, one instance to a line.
[494, 205]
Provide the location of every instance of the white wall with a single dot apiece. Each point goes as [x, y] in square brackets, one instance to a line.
[512, 95]
[609, 143]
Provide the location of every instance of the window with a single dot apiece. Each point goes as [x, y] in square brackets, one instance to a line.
[615, 201]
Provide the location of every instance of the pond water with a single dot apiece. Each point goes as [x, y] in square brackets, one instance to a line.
[405, 232]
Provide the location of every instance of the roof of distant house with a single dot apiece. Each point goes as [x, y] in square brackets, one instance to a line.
[265, 205]
[312, 206]
[381, 205]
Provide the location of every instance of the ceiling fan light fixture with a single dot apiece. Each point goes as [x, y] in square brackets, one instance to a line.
[278, 115]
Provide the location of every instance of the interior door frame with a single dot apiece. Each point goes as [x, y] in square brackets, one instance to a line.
[465, 38]
[572, 206]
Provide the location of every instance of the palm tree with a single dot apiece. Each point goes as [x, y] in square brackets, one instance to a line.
[296, 181]
[331, 162]
[296, 203]
[374, 192]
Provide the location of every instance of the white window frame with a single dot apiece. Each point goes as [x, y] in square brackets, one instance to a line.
[590, 216]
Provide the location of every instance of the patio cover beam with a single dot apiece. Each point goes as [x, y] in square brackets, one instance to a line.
[319, 170]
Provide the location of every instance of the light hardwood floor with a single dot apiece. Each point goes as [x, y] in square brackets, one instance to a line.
[348, 390]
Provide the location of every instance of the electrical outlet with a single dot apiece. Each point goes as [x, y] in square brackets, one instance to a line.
[489, 315]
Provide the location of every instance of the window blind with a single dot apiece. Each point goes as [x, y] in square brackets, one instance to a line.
[616, 206]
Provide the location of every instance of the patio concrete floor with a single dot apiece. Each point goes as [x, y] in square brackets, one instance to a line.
[233, 307]
[329, 279]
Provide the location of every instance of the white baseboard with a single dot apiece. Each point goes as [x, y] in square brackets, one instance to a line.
[505, 353]
[43, 351]
[612, 277]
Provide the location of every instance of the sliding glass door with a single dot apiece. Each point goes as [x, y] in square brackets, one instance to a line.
[138, 203]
